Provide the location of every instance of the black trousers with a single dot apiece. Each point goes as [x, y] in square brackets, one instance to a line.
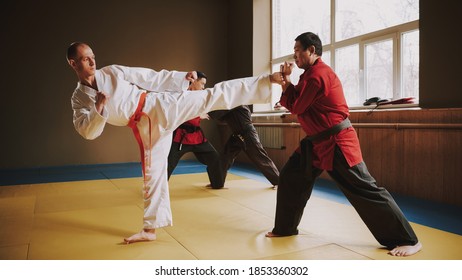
[205, 154]
[374, 204]
[250, 144]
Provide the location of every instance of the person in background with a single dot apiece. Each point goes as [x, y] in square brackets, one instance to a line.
[189, 138]
[244, 138]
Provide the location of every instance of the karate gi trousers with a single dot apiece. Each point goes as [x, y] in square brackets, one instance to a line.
[374, 204]
[205, 154]
[249, 142]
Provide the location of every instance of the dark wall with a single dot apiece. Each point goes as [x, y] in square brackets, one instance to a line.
[37, 83]
[440, 61]
[239, 55]
[240, 39]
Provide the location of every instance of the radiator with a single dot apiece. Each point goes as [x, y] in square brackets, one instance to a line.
[271, 137]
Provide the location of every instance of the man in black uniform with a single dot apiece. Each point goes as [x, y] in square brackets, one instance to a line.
[244, 138]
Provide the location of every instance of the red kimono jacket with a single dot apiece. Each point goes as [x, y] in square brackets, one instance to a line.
[192, 138]
[319, 103]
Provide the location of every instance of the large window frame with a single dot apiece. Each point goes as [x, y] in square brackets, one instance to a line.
[394, 33]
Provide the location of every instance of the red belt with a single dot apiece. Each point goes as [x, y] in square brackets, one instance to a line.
[132, 123]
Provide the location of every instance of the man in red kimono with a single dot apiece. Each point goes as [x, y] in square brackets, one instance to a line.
[189, 137]
[332, 145]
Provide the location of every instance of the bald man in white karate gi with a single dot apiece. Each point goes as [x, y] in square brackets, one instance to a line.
[153, 104]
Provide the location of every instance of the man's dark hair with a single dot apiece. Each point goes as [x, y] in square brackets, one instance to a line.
[308, 39]
[201, 75]
[72, 50]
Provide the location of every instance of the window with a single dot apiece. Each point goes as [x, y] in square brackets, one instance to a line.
[372, 45]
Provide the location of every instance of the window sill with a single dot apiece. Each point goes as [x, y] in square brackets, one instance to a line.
[270, 113]
[390, 107]
[360, 108]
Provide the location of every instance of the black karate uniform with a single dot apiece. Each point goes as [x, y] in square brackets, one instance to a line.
[244, 138]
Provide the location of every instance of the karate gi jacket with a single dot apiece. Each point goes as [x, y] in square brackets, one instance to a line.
[319, 103]
[124, 86]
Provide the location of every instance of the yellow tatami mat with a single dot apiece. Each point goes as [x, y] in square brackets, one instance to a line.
[87, 220]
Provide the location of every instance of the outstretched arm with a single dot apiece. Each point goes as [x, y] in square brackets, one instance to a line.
[283, 76]
[152, 80]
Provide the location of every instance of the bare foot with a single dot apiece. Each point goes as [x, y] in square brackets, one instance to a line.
[270, 234]
[144, 235]
[404, 251]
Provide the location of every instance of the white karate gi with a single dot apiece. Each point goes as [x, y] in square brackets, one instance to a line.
[168, 104]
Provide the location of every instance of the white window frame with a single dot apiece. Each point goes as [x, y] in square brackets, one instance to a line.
[394, 33]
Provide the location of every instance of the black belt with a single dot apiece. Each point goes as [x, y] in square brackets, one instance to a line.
[306, 145]
[189, 129]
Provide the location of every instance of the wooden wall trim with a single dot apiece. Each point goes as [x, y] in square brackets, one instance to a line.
[379, 125]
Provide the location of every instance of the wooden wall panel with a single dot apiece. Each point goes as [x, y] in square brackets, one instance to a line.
[422, 163]
[451, 156]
